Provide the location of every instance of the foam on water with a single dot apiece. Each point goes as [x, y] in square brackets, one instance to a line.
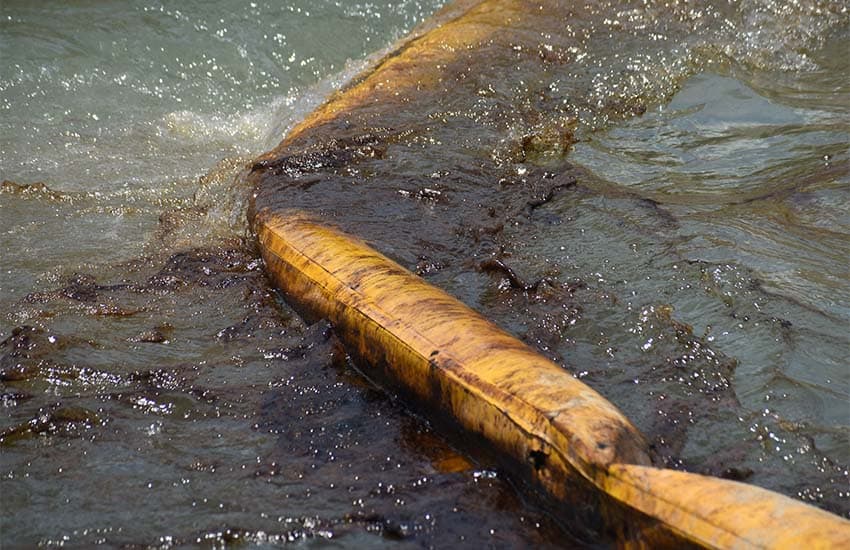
[143, 93]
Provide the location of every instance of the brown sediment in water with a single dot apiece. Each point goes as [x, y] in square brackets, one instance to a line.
[421, 156]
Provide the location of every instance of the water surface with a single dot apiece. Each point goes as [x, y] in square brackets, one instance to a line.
[156, 390]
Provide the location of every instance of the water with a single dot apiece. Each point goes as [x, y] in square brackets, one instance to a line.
[779, 210]
[123, 108]
[156, 391]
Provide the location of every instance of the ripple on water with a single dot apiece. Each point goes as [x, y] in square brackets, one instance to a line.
[157, 391]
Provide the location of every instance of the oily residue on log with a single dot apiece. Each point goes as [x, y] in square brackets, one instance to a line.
[449, 169]
[430, 159]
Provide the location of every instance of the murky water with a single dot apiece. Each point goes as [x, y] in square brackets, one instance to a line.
[156, 391]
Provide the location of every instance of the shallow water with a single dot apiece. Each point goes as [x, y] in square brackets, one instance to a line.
[156, 391]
